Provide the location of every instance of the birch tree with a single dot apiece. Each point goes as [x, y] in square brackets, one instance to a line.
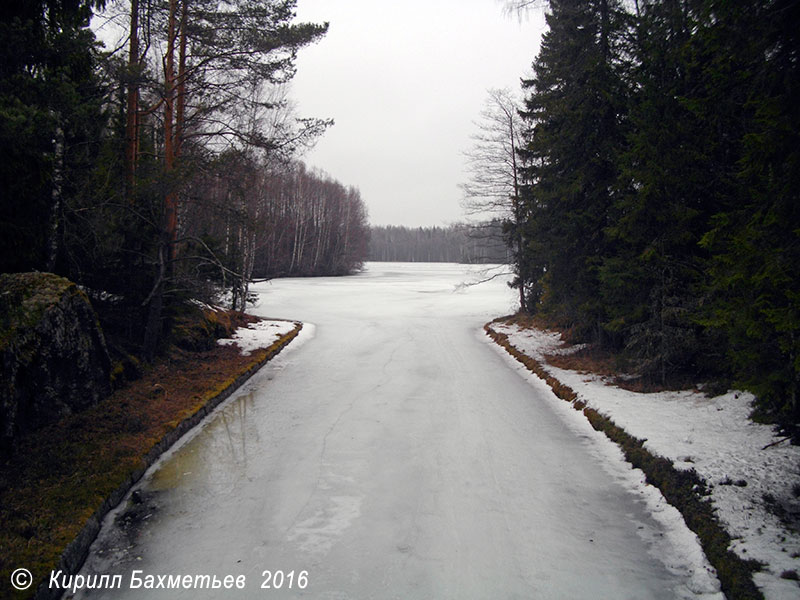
[494, 187]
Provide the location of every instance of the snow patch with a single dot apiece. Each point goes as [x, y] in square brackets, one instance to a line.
[205, 305]
[257, 335]
[716, 438]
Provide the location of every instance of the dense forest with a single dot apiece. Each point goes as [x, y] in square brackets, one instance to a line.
[166, 168]
[455, 243]
[660, 161]
[653, 207]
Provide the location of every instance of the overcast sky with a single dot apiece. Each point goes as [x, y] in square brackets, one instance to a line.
[405, 80]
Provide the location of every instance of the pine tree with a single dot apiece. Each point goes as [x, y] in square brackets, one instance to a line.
[218, 58]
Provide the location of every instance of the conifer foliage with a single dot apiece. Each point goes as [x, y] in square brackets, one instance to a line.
[49, 113]
[661, 160]
[574, 109]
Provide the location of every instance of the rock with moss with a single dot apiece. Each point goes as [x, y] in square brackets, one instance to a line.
[53, 356]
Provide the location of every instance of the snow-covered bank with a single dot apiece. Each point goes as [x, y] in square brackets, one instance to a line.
[713, 436]
[261, 334]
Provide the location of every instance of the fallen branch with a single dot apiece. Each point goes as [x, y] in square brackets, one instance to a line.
[788, 437]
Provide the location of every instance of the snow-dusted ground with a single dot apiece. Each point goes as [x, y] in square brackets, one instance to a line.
[391, 452]
[713, 436]
[261, 334]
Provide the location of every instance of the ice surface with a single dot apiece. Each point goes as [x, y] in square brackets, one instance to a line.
[392, 452]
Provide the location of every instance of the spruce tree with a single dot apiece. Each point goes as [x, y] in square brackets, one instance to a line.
[47, 108]
[649, 283]
[754, 283]
[574, 110]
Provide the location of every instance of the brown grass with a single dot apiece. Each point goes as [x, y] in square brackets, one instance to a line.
[594, 359]
[597, 361]
[586, 360]
[61, 475]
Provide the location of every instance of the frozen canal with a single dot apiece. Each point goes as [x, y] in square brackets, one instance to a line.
[392, 453]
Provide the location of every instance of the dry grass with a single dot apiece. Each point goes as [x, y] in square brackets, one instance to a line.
[591, 358]
[59, 476]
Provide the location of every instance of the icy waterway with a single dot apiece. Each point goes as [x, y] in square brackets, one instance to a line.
[391, 452]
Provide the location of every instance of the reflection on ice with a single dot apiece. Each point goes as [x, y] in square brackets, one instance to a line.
[226, 441]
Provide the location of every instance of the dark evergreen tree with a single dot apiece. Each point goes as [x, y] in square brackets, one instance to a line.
[650, 279]
[671, 221]
[48, 112]
[575, 110]
[754, 291]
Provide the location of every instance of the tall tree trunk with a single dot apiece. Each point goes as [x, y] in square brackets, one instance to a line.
[171, 199]
[516, 206]
[132, 117]
[605, 25]
[154, 325]
[180, 109]
[155, 304]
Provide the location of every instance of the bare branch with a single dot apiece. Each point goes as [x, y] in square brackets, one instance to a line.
[486, 277]
[521, 8]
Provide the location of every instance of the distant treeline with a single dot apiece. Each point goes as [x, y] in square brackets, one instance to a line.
[456, 243]
[278, 222]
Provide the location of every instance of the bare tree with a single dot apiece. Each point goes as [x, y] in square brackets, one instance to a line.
[521, 7]
[493, 190]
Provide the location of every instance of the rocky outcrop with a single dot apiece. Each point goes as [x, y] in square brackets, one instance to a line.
[53, 357]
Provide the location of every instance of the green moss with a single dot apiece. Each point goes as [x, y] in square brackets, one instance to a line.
[117, 374]
[25, 297]
[196, 328]
[125, 368]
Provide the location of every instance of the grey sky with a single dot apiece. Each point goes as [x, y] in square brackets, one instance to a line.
[404, 81]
